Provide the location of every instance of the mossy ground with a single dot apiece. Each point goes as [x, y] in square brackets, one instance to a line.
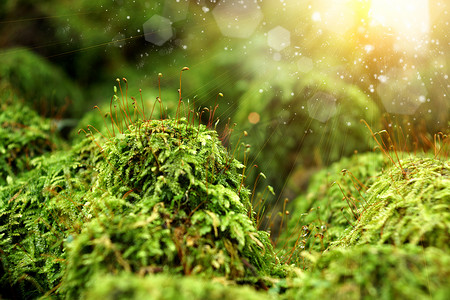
[161, 204]
[158, 196]
[392, 244]
[23, 135]
[406, 206]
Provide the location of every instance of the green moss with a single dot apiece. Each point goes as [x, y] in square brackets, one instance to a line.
[368, 272]
[164, 287]
[106, 217]
[408, 206]
[161, 196]
[395, 245]
[23, 136]
[40, 83]
[37, 212]
[186, 210]
[321, 215]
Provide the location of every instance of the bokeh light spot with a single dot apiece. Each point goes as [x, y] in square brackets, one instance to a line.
[321, 106]
[254, 118]
[401, 92]
[176, 10]
[279, 38]
[158, 30]
[335, 15]
[305, 64]
[237, 18]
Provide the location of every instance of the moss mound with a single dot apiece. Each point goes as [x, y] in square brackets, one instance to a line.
[163, 196]
[38, 211]
[408, 206]
[23, 136]
[43, 85]
[368, 272]
[394, 246]
[320, 216]
[164, 287]
[186, 210]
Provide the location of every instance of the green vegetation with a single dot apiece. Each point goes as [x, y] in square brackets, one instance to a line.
[146, 201]
[408, 204]
[23, 136]
[373, 272]
[153, 196]
[152, 201]
[371, 233]
[42, 85]
[320, 215]
[164, 287]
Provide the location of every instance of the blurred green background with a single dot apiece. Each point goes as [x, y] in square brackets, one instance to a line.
[297, 76]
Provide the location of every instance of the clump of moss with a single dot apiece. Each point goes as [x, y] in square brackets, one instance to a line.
[159, 196]
[23, 136]
[169, 197]
[166, 287]
[394, 246]
[373, 272]
[321, 215]
[407, 205]
[41, 84]
[283, 135]
[38, 210]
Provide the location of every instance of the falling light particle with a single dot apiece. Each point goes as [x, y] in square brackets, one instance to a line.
[382, 78]
[316, 17]
[369, 48]
[276, 56]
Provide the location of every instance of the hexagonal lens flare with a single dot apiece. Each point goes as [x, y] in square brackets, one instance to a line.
[237, 18]
[401, 93]
[158, 30]
[279, 38]
[322, 106]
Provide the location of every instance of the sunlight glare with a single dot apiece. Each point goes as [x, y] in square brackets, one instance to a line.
[408, 19]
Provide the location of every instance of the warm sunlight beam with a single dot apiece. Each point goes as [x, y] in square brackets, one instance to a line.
[408, 19]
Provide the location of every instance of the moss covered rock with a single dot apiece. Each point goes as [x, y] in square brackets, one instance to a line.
[168, 198]
[159, 196]
[164, 287]
[23, 136]
[408, 204]
[320, 216]
[368, 272]
[44, 86]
